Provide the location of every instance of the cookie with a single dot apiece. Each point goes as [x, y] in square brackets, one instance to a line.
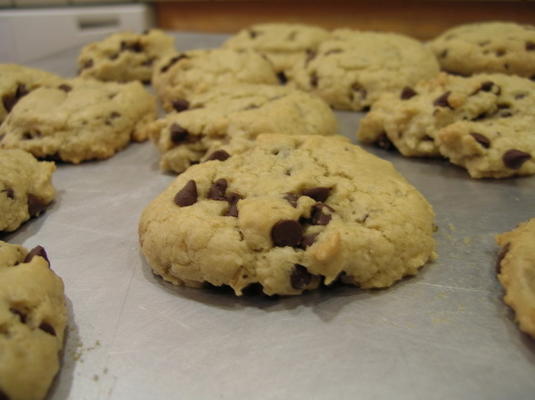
[282, 44]
[16, 81]
[125, 57]
[516, 272]
[179, 77]
[33, 317]
[26, 188]
[226, 121]
[503, 47]
[294, 212]
[84, 119]
[351, 69]
[481, 123]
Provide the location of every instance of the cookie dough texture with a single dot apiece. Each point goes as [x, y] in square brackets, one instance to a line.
[124, 57]
[482, 123]
[516, 273]
[282, 44]
[25, 187]
[503, 47]
[351, 69]
[178, 77]
[33, 317]
[82, 120]
[292, 213]
[16, 81]
[226, 121]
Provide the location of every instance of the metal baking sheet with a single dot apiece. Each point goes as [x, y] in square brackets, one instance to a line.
[444, 334]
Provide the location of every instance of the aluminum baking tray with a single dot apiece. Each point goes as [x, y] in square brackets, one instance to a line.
[444, 334]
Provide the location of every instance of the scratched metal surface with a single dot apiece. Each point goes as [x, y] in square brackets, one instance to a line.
[444, 334]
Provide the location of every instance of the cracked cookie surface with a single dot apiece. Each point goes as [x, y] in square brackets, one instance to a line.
[33, 317]
[351, 69]
[503, 47]
[16, 81]
[125, 57]
[516, 272]
[226, 121]
[83, 119]
[481, 123]
[290, 214]
[25, 187]
[179, 77]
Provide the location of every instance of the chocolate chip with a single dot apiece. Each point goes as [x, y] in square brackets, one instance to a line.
[503, 252]
[136, 47]
[384, 142]
[286, 232]
[292, 199]
[308, 240]
[114, 56]
[481, 139]
[407, 93]
[172, 62]
[87, 64]
[187, 195]
[31, 135]
[355, 87]
[36, 251]
[314, 79]
[488, 85]
[300, 277]
[45, 326]
[530, 46]
[233, 199]
[36, 205]
[253, 34]
[10, 193]
[442, 100]
[180, 105]
[520, 96]
[217, 190]
[220, 155]
[66, 88]
[427, 138]
[178, 134]
[318, 193]
[500, 52]
[318, 217]
[282, 78]
[515, 158]
[20, 314]
[9, 100]
[444, 53]
[3, 396]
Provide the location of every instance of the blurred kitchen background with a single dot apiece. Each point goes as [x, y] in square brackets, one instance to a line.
[31, 29]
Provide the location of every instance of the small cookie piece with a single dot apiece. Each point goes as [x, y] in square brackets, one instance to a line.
[353, 68]
[293, 212]
[33, 317]
[16, 81]
[516, 272]
[178, 77]
[503, 47]
[125, 57]
[25, 187]
[282, 44]
[226, 121]
[83, 120]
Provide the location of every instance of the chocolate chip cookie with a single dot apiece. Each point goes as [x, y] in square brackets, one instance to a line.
[351, 69]
[282, 44]
[503, 47]
[178, 77]
[481, 123]
[80, 120]
[25, 187]
[16, 81]
[125, 57]
[516, 272]
[292, 213]
[226, 121]
[33, 317]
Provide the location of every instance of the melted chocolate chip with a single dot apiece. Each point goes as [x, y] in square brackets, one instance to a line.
[300, 277]
[220, 155]
[530, 46]
[286, 232]
[46, 327]
[407, 93]
[308, 240]
[180, 105]
[481, 139]
[217, 190]
[314, 80]
[282, 78]
[292, 199]
[318, 217]
[503, 252]
[172, 62]
[187, 195]
[136, 47]
[9, 100]
[66, 88]
[318, 193]
[20, 314]
[515, 158]
[442, 100]
[36, 205]
[36, 251]
[10, 193]
[4, 396]
[233, 199]
[384, 142]
[179, 135]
